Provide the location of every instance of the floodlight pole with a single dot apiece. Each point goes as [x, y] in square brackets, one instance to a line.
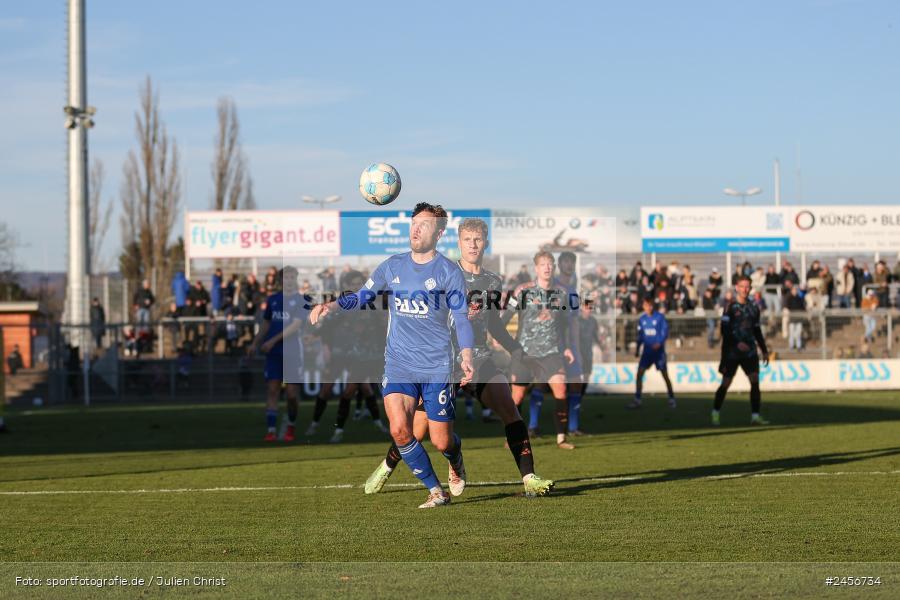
[777, 168]
[78, 120]
[79, 256]
[321, 201]
[742, 194]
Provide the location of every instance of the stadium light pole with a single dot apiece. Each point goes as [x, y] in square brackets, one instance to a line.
[743, 195]
[777, 168]
[79, 118]
[321, 202]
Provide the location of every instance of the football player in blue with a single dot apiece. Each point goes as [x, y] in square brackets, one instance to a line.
[568, 281]
[422, 290]
[279, 338]
[652, 332]
[490, 386]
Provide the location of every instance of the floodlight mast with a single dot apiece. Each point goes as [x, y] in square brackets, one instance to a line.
[321, 202]
[742, 194]
[78, 121]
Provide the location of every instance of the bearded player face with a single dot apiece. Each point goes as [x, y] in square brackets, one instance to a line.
[424, 233]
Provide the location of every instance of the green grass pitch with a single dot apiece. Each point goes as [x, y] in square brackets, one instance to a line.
[154, 484]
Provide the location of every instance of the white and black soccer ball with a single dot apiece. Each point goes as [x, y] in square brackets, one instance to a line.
[379, 184]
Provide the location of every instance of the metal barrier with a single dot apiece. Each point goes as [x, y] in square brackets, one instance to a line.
[833, 333]
[191, 359]
[888, 295]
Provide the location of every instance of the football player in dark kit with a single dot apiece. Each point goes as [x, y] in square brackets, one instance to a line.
[546, 314]
[741, 334]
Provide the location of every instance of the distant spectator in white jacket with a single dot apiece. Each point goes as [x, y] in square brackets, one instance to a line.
[844, 282]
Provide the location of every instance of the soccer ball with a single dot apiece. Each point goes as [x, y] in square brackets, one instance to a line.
[380, 184]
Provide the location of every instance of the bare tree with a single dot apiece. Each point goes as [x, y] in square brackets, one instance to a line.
[9, 285]
[232, 185]
[98, 216]
[150, 196]
[9, 241]
[249, 198]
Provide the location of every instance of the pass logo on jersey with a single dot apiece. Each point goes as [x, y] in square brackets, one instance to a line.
[408, 306]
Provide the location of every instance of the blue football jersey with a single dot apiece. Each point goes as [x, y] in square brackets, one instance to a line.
[572, 301]
[652, 329]
[280, 313]
[422, 299]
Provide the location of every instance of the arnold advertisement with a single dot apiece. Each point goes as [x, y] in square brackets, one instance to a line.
[578, 230]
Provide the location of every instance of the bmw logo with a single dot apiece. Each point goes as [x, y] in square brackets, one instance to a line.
[575, 223]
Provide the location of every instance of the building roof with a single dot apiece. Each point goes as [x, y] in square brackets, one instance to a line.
[29, 306]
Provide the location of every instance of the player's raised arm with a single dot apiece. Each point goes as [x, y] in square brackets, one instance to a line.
[376, 282]
[498, 331]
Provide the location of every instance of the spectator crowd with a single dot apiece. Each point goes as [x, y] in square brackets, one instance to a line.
[200, 314]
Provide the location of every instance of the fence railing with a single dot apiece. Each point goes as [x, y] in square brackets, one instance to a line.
[205, 358]
[829, 333]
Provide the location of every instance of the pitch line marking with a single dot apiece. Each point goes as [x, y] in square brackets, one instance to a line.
[350, 486]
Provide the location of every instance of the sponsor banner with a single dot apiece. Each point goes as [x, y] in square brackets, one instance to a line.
[702, 245]
[782, 375]
[259, 234]
[845, 228]
[581, 230]
[714, 229]
[628, 228]
[386, 232]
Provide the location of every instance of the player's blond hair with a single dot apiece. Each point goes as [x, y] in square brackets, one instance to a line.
[474, 224]
[544, 254]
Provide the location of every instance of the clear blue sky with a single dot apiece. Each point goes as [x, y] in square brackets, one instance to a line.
[502, 103]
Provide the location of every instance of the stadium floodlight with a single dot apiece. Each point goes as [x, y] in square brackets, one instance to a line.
[76, 116]
[743, 195]
[321, 202]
